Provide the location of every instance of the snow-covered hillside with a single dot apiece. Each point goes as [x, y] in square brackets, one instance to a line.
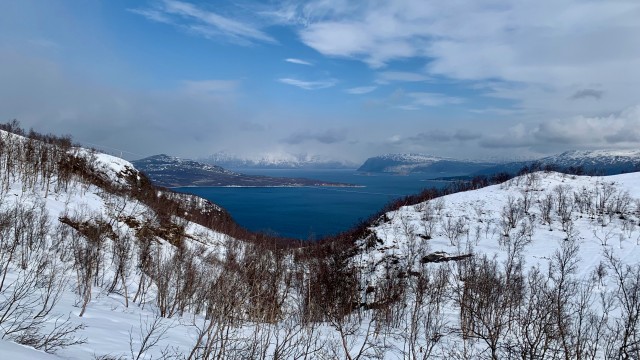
[541, 266]
[47, 298]
[599, 213]
[95, 264]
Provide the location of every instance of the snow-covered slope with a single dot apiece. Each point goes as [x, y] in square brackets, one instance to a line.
[47, 221]
[480, 216]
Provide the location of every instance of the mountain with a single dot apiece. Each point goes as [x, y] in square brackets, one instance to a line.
[276, 161]
[601, 162]
[605, 161]
[170, 171]
[408, 163]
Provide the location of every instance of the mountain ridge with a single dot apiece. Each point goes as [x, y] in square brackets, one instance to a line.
[171, 171]
[604, 161]
[601, 161]
[276, 161]
[413, 162]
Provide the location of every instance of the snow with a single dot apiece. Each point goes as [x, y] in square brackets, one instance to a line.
[482, 208]
[13, 351]
[111, 328]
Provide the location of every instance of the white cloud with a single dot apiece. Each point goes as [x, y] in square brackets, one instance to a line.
[309, 85]
[613, 130]
[298, 61]
[361, 90]
[355, 40]
[550, 49]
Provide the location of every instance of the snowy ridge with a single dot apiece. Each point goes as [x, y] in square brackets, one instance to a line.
[171, 171]
[594, 157]
[164, 162]
[412, 157]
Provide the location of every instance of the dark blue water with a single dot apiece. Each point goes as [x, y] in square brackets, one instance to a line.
[313, 212]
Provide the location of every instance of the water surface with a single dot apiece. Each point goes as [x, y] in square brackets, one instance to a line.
[313, 212]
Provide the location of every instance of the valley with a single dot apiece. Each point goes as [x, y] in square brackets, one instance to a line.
[97, 262]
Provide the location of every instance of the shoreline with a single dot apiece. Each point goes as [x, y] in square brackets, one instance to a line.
[267, 186]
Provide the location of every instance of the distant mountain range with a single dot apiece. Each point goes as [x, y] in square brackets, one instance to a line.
[600, 162]
[170, 171]
[412, 163]
[604, 162]
[276, 161]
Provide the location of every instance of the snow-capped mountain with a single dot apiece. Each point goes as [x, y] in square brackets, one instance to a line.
[601, 162]
[407, 163]
[276, 161]
[171, 171]
[604, 162]
[611, 160]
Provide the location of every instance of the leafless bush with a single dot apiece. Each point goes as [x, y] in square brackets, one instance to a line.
[454, 228]
[152, 332]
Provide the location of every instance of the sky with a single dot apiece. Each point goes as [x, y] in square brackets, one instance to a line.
[343, 80]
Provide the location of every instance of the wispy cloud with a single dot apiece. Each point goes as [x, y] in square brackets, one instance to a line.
[330, 136]
[309, 85]
[587, 93]
[154, 15]
[298, 61]
[432, 99]
[385, 77]
[206, 23]
[361, 90]
[437, 135]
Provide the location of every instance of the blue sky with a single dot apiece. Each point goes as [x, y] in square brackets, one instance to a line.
[332, 78]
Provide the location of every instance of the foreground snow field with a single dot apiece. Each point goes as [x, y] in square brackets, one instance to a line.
[91, 272]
